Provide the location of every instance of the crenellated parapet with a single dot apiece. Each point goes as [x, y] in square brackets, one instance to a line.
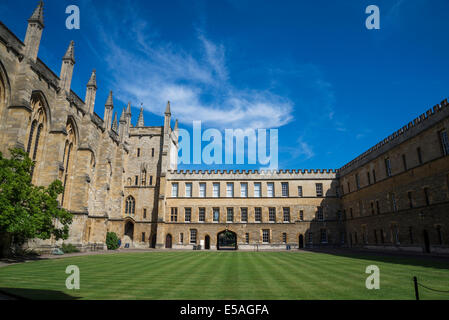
[253, 174]
[413, 128]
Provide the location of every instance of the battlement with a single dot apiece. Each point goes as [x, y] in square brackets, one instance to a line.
[253, 174]
[423, 122]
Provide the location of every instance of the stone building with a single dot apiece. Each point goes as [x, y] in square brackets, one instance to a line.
[123, 178]
[396, 194]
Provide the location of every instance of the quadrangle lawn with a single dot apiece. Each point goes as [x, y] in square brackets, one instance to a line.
[226, 275]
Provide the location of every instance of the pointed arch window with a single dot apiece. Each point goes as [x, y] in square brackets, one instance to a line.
[67, 162]
[37, 128]
[36, 142]
[130, 205]
[36, 145]
[30, 138]
[66, 169]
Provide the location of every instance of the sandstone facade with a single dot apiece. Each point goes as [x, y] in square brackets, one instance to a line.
[124, 178]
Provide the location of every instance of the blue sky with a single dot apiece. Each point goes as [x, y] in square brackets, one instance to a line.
[311, 69]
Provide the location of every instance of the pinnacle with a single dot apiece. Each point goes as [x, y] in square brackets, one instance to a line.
[38, 14]
[167, 109]
[140, 122]
[93, 79]
[70, 53]
[110, 102]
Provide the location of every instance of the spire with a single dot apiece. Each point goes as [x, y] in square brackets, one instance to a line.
[122, 116]
[34, 32]
[109, 102]
[68, 61]
[167, 109]
[70, 53]
[128, 108]
[140, 122]
[108, 111]
[93, 80]
[176, 125]
[91, 92]
[38, 14]
[114, 123]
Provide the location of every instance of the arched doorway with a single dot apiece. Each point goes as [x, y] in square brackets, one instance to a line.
[129, 230]
[168, 241]
[226, 240]
[426, 241]
[207, 242]
[301, 241]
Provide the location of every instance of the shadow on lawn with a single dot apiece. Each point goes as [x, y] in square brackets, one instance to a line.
[20, 259]
[440, 262]
[35, 294]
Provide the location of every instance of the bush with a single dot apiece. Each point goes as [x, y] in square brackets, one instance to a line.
[111, 241]
[69, 248]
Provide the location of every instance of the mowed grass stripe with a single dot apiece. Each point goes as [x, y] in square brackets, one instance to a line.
[284, 275]
[395, 278]
[151, 280]
[226, 275]
[333, 279]
[218, 277]
[181, 272]
[263, 279]
[349, 274]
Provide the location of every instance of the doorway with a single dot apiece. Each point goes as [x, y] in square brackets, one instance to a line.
[207, 242]
[226, 240]
[301, 241]
[168, 241]
[129, 230]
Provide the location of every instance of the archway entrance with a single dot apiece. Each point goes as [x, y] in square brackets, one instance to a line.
[426, 241]
[301, 241]
[129, 230]
[168, 241]
[207, 242]
[226, 240]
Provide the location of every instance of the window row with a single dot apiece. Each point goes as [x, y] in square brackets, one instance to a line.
[392, 205]
[257, 190]
[265, 237]
[394, 236]
[230, 216]
[405, 164]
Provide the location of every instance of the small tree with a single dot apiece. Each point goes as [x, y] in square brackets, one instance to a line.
[28, 211]
[111, 240]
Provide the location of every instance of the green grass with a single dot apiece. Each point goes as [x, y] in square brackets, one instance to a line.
[225, 275]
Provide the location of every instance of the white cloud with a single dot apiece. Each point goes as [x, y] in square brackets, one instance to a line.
[198, 86]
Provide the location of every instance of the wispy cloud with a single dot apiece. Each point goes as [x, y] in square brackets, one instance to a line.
[198, 84]
[305, 149]
[302, 151]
